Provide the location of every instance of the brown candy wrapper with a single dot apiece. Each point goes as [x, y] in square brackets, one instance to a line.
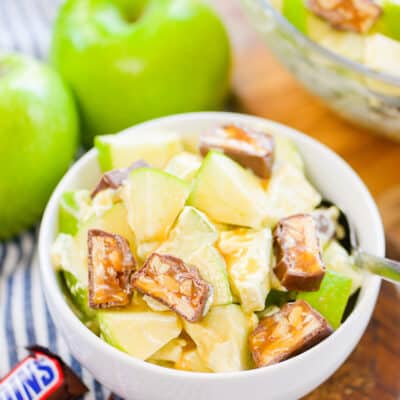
[41, 375]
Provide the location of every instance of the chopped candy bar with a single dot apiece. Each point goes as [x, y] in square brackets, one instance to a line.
[288, 332]
[172, 282]
[111, 265]
[347, 15]
[115, 178]
[250, 149]
[299, 263]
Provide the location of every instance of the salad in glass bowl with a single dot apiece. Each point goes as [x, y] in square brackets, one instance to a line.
[345, 51]
[205, 253]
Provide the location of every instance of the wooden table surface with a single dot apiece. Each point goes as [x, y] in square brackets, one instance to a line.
[262, 87]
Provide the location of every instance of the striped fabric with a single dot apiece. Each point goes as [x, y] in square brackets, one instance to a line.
[24, 319]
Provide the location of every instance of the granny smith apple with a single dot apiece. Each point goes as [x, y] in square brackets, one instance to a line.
[38, 139]
[129, 61]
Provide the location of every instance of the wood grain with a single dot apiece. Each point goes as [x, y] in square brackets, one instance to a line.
[262, 87]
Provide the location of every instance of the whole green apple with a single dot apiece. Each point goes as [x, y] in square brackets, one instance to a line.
[38, 139]
[132, 60]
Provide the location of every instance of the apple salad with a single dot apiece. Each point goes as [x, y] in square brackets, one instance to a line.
[365, 31]
[207, 252]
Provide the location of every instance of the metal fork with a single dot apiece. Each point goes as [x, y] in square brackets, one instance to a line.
[387, 269]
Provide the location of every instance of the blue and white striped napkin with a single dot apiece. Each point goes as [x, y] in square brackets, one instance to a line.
[24, 319]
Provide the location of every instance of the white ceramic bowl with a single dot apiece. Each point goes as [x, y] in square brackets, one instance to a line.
[138, 380]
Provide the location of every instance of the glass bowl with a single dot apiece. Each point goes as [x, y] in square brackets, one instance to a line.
[357, 93]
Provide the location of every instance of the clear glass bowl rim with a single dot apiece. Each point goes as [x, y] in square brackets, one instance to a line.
[336, 58]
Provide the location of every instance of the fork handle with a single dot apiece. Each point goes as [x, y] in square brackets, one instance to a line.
[383, 267]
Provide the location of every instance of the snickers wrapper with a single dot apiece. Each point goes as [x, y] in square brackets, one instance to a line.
[41, 375]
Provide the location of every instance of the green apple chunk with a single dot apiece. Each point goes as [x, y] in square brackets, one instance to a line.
[154, 199]
[347, 44]
[192, 232]
[331, 298]
[296, 13]
[221, 338]
[39, 134]
[289, 193]
[171, 352]
[382, 54]
[71, 253]
[191, 361]
[228, 193]
[212, 268]
[286, 151]
[248, 256]
[184, 165]
[113, 221]
[388, 24]
[120, 151]
[64, 257]
[337, 259]
[138, 332]
[131, 61]
[80, 295]
[192, 239]
[72, 207]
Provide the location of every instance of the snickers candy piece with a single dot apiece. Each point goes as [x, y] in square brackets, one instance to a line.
[110, 264]
[347, 15]
[172, 282]
[115, 178]
[288, 332]
[251, 149]
[299, 262]
[42, 375]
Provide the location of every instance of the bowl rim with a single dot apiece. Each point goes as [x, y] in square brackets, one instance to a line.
[337, 58]
[52, 290]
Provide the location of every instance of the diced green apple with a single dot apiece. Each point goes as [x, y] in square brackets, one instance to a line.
[191, 232]
[248, 256]
[382, 54]
[184, 165]
[347, 44]
[228, 193]
[221, 338]
[212, 268]
[120, 151]
[296, 13]
[154, 199]
[286, 151]
[191, 361]
[80, 295]
[73, 206]
[389, 22]
[64, 257]
[192, 239]
[289, 193]
[72, 251]
[138, 332]
[337, 259]
[331, 298]
[171, 352]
